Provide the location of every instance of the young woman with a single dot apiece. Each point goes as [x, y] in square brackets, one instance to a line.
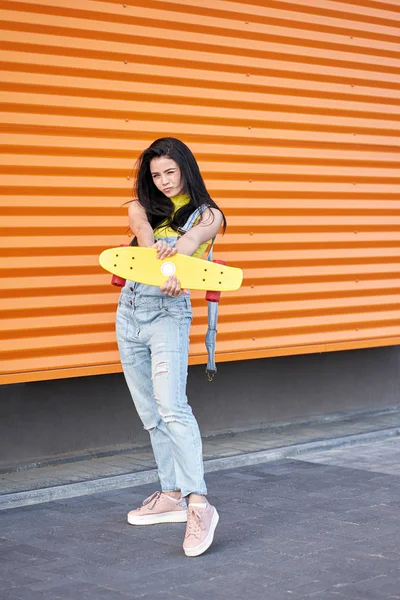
[173, 213]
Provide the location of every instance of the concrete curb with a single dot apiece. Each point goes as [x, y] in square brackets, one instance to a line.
[105, 484]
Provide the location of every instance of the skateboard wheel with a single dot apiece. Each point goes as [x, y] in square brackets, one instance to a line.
[214, 296]
[118, 281]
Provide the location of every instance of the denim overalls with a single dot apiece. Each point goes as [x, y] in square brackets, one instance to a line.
[153, 340]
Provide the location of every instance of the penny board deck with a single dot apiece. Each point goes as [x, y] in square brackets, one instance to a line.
[142, 265]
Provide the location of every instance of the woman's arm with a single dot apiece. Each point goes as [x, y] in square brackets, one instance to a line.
[140, 225]
[187, 244]
[206, 230]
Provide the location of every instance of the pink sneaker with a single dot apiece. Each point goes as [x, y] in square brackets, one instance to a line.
[201, 524]
[159, 508]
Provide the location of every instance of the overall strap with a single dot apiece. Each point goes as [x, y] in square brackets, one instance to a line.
[211, 336]
[212, 306]
[192, 218]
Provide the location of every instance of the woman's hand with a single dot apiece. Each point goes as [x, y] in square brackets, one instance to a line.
[172, 287]
[164, 250]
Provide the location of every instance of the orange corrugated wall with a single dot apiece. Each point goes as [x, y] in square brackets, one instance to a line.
[292, 109]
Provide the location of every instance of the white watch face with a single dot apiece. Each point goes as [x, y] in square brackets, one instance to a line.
[168, 269]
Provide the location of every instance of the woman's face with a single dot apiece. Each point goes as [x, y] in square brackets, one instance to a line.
[167, 176]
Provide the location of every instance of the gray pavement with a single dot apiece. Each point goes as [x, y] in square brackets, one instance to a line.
[322, 526]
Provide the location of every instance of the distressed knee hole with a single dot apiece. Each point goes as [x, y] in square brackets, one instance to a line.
[162, 368]
[169, 418]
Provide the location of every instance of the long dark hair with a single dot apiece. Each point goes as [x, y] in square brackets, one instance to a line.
[159, 208]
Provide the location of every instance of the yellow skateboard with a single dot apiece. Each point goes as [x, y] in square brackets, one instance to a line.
[143, 266]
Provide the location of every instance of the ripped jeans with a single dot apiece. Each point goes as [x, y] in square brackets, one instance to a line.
[153, 340]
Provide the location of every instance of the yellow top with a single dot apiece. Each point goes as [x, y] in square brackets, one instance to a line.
[164, 231]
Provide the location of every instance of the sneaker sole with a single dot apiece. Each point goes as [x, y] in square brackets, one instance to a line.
[168, 517]
[201, 548]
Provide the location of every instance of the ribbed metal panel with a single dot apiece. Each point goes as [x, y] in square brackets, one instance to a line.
[292, 109]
